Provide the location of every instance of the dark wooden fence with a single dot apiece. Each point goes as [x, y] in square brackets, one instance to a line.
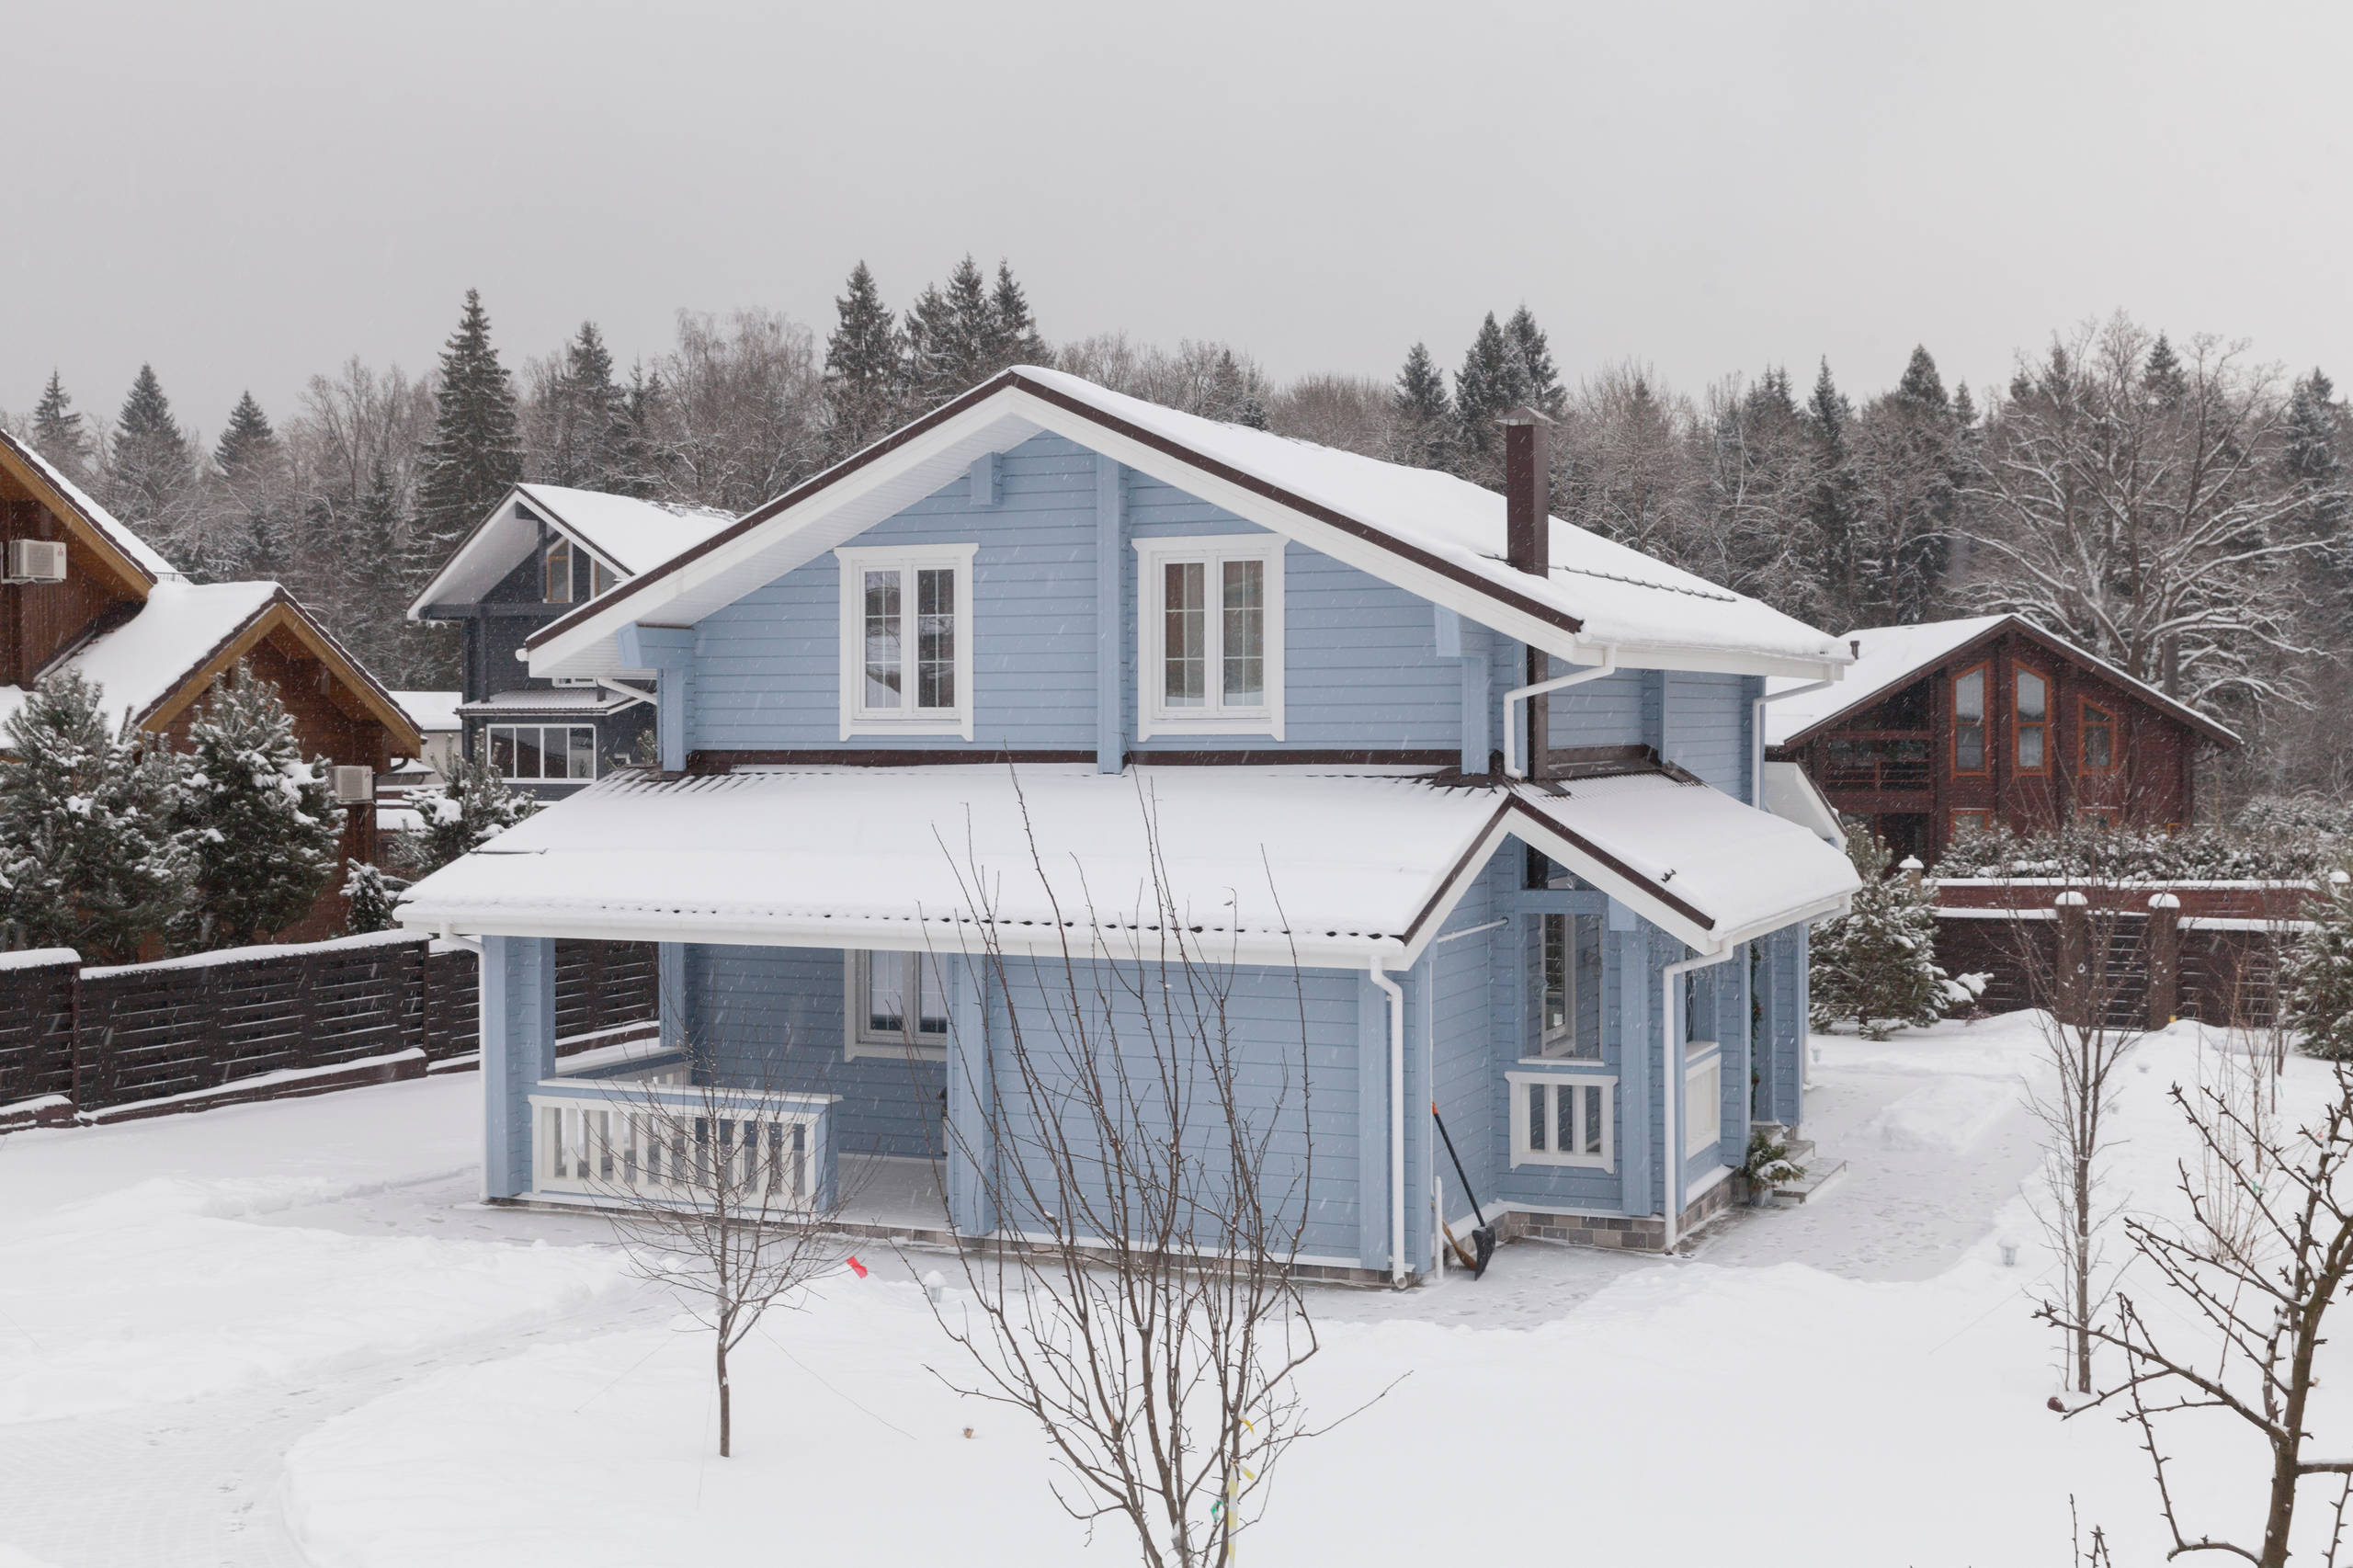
[2158, 964]
[144, 1032]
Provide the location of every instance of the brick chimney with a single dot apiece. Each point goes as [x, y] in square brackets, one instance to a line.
[1528, 489]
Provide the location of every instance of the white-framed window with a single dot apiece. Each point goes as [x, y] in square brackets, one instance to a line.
[897, 1007]
[1564, 947]
[557, 571]
[907, 640]
[1560, 1119]
[545, 751]
[1703, 1098]
[1210, 636]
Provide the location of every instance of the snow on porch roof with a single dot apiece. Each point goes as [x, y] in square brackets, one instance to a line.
[1264, 863]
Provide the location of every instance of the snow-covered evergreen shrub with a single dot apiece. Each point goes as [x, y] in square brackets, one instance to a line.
[369, 896]
[86, 858]
[2317, 987]
[472, 806]
[1877, 964]
[261, 829]
[2277, 838]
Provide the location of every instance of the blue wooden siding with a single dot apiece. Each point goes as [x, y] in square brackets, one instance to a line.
[1469, 976]
[1605, 712]
[1705, 720]
[775, 1016]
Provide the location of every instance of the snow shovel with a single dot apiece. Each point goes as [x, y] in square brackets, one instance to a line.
[1484, 1238]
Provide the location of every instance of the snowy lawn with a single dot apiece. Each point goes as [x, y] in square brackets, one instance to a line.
[1855, 1381]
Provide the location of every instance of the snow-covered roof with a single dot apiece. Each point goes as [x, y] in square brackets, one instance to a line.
[1891, 657]
[543, 699]
[1267, 862]
[628, 535]
[433, 712]
[139, 663]
[149, 559]
[1431, 532]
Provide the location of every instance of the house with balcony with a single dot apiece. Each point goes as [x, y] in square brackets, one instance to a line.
[1457, 804]
[1987, 722]
[543, 550]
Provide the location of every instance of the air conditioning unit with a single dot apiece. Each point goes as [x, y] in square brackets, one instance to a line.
[36, 561]
[354, 786]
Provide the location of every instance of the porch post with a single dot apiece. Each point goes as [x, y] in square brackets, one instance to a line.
[517, 1050]
[1109, 645]
[671, 1003]
[669, 652]
[971, 1100]
[1372, 1125]
[1630, 950]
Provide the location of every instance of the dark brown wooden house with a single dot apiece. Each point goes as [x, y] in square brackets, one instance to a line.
[110, 606]
[1955, 724]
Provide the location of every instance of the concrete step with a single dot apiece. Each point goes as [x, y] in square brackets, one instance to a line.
[1819, 1173]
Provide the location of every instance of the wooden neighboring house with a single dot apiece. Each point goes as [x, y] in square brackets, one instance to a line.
[541, 553]
[1991, 720]
[105, 604]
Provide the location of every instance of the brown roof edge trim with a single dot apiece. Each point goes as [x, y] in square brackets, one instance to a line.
[1446, 894]
[790, 498]
[1584, 846]
[36, 473]
[1009, 378]
[177, 698]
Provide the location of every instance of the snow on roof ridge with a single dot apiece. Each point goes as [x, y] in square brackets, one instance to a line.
[116, 532]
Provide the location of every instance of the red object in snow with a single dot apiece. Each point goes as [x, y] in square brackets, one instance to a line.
[858, 1268]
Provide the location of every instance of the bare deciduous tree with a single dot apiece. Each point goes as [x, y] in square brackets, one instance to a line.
[2244, 1304]
[1149, 1174]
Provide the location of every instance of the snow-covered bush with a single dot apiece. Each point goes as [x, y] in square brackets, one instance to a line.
[261, 830]
[369, 896]
[469, 808]
[1877, 964]
[2317, 987]
[87, 859]
[2289, 838]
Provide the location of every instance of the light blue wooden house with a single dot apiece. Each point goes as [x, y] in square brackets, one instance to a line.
[1471, 798]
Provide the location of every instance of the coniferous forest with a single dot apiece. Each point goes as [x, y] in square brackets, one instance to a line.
[2168, 502]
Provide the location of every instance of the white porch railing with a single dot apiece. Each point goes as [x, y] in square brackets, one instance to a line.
[650, 1139]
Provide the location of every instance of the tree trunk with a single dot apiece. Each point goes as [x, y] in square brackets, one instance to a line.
[2082, 1267]
[724, 1414]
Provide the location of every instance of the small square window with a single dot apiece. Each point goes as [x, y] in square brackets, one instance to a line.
[1562, 1120]
[898, 1006]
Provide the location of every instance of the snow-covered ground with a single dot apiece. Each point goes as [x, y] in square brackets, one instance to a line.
[284, 1333]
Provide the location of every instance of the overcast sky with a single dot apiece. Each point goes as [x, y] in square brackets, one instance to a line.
[245, 194]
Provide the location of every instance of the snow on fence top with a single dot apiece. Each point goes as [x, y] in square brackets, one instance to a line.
[261, 952]
[40, 958]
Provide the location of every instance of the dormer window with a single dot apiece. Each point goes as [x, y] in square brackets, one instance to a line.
[1210, 636]
[906, 639]
[557, 562]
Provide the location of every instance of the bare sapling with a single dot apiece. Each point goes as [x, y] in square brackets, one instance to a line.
[2235, 1313]
[712, 1175]
[1147, 1162]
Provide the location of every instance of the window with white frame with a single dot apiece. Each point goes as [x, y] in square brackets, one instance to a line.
[1703, 1101]
[543, 752]
[1562, 1119]
[1210, 636]
[907, 640]
[898, 1006]
[1568, 948]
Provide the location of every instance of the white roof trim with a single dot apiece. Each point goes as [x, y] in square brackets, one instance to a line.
[503, 541]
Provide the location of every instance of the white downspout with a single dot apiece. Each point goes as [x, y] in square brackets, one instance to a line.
[1396, 1122]
[1757, 736]
[1608, 665]
[1670, 1079]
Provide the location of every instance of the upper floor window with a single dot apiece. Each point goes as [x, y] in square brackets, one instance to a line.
[2097, 738]
[543, 751]
[2033, 722]
[1210, 636]
[1570, 946]
[906, 639]
[600, 576]
[1969, 721]
[558, 575]
[898, 1006]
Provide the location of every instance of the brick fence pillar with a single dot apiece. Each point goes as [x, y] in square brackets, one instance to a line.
[2165, 959]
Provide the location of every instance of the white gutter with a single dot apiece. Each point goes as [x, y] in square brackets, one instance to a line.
[1670, 1079]
[1756, 735]
[1396, 1123]
[1608, 665]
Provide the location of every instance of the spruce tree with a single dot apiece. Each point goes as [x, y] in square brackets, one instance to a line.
[247, 444]
[866, 367]
[471, 806]
[1017, 339]
[1231, 395]
[369, 897]
[1877, 964]
[87, 859]
[952, 333]
[57, 432]
[1493, 381]
[476, 450]
[262, 832]
[2318, 982]
[152, 462]
[1540, 380]
[587, 445]
[2161, 374]
[1422, 433]
[1827, 548]
[2311, 457]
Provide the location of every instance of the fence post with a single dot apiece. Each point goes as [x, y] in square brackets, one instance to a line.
[2165, 959]
[2074, 958]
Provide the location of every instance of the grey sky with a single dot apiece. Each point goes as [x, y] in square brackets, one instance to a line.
[247, 193]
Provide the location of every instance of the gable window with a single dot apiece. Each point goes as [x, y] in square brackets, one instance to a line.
[2033, 722]
[907, 640]
[898, 1006]
[1562, 1119]
[600, 577]
[2096, 739]
[545, 751]
[557, 562]
[1568, 945]
[1969, 721]
[1210, 636]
